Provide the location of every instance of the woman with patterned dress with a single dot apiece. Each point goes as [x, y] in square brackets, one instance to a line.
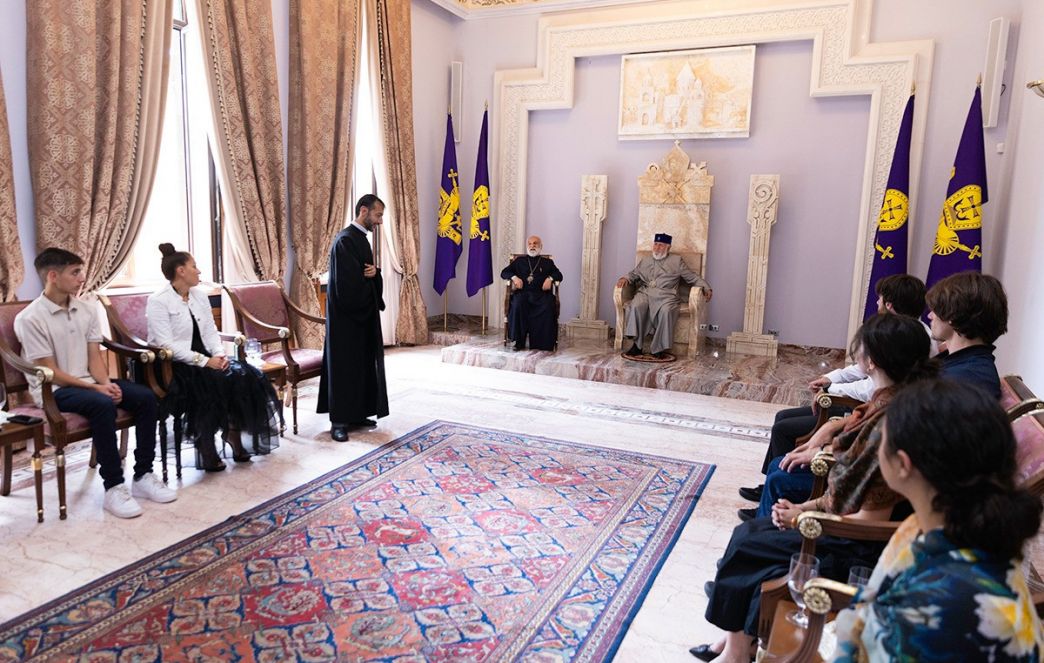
[209, 392]
[895, 351]
[950, 585]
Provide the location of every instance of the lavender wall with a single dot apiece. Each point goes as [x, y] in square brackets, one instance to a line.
[818, 145]
[1021, 231]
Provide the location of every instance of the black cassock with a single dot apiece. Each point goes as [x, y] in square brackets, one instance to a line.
[352, 385]
[532, 309]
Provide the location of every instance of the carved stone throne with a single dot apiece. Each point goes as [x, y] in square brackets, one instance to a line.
[674, 198]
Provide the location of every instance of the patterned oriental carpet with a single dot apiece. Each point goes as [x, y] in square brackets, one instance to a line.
[452, 543]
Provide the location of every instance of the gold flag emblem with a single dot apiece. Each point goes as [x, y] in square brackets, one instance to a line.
[479, 211]
[894, 211]
[961, 211]
[449, 212]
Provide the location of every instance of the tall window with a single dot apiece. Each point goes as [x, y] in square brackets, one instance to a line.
[182, 203]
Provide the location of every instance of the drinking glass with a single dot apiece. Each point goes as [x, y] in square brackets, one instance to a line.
[802, 569]
[858, 576]
[253, 351]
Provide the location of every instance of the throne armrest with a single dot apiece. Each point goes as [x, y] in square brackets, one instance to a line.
[621, 295]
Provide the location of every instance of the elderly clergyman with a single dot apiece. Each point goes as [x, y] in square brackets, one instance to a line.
[532, 310]
[654, 309]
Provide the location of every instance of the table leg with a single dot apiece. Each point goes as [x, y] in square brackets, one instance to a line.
[5, 482]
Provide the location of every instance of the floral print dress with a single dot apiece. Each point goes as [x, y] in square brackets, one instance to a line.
[929, 600]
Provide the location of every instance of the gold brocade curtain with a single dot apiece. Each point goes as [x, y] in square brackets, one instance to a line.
[239, 57]
[395, 90]
[324, 43]
[97, 86]
[12, 267]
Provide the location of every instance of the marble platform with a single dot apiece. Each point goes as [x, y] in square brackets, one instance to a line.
[781, 380]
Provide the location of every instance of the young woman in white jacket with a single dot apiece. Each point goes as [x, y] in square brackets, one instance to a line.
[209, 392]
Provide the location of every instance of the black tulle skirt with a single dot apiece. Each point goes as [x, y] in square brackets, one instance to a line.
[241, 398]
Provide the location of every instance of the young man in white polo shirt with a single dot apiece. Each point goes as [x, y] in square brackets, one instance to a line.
[61, 332]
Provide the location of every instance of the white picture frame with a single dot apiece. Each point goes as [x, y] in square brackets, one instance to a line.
[702, 93]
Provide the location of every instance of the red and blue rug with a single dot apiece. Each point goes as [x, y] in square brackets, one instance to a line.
[452, 543]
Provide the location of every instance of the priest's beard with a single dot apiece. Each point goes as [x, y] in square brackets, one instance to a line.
[659, 255]
[532, 253]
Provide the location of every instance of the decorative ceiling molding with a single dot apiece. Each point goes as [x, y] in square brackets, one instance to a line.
[474, 9]
[843, 63]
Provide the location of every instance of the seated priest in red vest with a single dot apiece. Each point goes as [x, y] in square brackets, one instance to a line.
[532, 311]
[655, 306]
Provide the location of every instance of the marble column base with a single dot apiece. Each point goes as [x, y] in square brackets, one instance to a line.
[594, 330]
[760, 345]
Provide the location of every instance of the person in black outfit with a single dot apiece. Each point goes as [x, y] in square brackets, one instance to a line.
[352, 386]
[209, 392]
[532, 310]
[968, 311]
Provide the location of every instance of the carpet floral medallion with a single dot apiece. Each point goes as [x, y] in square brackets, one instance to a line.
[452, 543]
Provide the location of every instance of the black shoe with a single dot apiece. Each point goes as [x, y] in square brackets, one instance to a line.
[752, 494]
[519, 348]
[661, 355]
[363, 423]
[339, 433]
[747, 514]
[704, 652]
[708, 587]
[635, 351]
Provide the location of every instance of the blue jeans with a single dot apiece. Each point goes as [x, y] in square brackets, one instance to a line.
[795, 486]
[100, 411]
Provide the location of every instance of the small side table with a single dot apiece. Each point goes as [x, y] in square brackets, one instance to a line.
[10, 434]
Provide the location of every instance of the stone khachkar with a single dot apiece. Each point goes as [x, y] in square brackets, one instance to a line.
[674, 198]
[762, 208]
[593, 205]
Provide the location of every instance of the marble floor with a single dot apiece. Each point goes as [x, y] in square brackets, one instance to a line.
[781, 379]
[39, 562]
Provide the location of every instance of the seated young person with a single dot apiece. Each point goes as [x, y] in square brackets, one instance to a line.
[62, 332]
[950, 585]
[760, 549]
[209, 391]
[901, 294]
[968, 311]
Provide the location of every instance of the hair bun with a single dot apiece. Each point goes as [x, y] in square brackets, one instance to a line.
[167, 249]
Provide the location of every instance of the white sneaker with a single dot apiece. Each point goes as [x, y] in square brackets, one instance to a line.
[118, 502]
[151, 488]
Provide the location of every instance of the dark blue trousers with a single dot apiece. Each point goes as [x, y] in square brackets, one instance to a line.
[100, 411]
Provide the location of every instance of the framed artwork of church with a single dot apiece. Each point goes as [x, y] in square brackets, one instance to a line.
[704, 93]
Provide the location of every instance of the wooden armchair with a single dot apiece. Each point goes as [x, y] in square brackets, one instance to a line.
[822, 404]
[63, 428]
[507, 300]
[825, 597]
[263, 311]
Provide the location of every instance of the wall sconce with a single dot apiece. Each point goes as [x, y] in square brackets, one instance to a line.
[1037, 86]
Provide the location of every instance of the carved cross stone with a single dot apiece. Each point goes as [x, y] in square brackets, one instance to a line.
[762, 208]
[593, 206]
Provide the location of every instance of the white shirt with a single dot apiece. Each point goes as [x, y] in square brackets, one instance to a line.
[46, 329]
[170, 324]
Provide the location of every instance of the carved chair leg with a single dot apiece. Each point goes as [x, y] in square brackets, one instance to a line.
[93, 462]
[59, 463]
[177, 446]
[124, 436]
[293, 398]
[162, 426]
[37, 463]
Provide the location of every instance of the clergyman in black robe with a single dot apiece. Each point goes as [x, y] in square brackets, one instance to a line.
[532, 310]
[352, 385]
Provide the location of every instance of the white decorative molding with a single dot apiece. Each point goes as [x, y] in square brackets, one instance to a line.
[843, 63]
[475, 9]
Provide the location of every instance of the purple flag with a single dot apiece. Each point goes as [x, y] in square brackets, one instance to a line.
[890, 240]
[958, 239]
[447, 244]
[480, 251]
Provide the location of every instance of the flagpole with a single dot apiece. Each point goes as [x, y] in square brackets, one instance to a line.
[484, 310]
[445, 310]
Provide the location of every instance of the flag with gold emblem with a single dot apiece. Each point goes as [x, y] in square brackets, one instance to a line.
[890, 240]
[958, 239]
[447, 243]
[480, 251]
